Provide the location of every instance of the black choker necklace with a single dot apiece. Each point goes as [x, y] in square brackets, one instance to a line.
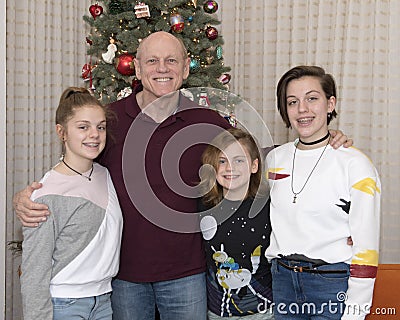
[87, 177]
[316, 141]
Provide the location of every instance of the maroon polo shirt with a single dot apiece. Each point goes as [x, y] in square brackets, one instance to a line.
[150, 185]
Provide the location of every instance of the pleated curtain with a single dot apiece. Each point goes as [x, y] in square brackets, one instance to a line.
[355, 40]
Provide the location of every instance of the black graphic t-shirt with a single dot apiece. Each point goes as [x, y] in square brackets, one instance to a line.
[235, 236]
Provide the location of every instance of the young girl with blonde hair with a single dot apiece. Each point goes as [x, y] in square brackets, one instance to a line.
[236, 228]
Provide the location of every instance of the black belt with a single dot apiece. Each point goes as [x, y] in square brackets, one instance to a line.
[307, 269]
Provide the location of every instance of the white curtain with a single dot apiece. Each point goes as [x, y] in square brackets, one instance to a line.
[359, 43]
[46, 46]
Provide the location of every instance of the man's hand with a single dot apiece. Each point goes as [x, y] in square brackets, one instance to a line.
[28, 212]
[349, 241]
[339, 139]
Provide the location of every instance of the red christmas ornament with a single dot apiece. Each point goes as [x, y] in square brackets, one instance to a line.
[95, 10]
[87, 74]
[211, 33]
[135, 82]
[86, 71]
[124, 64]
[89, 41]
[177, 22]
[224, 78]
[210, 6]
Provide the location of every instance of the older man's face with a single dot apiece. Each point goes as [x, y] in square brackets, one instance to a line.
[161, 66]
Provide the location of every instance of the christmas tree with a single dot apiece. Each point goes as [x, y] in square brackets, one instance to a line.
[118, 26]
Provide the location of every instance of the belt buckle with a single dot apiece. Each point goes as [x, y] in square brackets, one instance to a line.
[298, 269]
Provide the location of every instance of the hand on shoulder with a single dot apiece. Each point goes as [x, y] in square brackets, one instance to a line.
[339, 139]
[29, 212]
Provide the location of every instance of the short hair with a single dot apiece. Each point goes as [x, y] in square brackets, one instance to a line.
[325, 79]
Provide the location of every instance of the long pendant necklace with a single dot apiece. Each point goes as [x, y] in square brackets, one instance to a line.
[295, 194]
[87, 177]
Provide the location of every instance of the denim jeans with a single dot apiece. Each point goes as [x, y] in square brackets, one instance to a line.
[302, 295]
[90, 308]
[183, 299]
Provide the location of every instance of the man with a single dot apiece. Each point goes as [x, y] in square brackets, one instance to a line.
[162, 261]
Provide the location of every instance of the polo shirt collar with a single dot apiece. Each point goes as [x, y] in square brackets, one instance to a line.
[133, 109]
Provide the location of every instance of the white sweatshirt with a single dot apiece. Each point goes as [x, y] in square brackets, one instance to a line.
[340, 199]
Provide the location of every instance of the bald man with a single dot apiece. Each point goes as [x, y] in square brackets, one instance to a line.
[162, 263]
[154, 163]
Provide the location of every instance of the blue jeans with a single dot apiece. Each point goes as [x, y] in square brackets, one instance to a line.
[302, 295]
[90, 308]
[183, 299]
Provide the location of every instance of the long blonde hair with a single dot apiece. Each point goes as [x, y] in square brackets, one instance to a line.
[212, 190]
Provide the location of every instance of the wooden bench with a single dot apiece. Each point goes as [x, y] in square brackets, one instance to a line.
[386, 300]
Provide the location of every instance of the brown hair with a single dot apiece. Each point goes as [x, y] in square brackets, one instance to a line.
[326, 80]
[74, 98]
[210, 158]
